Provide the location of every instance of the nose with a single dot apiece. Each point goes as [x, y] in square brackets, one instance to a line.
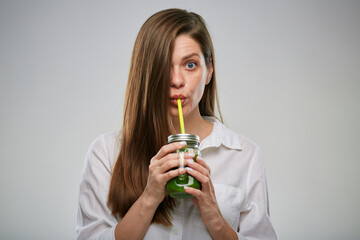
[177, 80]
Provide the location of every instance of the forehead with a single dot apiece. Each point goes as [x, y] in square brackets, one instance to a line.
[185, 45]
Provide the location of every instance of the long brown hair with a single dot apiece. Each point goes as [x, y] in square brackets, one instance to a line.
[147, 122]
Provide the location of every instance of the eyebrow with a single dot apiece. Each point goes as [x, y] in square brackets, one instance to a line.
[190, 56]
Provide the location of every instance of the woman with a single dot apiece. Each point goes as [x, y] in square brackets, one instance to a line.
[122, 191]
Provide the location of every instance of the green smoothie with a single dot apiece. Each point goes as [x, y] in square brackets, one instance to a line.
[175, 187]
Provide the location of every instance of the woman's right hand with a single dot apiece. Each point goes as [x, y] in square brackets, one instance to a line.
[160, 171]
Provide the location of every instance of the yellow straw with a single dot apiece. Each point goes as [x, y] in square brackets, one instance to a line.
[181, 118]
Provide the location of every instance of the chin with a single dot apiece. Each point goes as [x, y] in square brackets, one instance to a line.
[174, 112]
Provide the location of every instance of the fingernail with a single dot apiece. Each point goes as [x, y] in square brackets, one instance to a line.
[185, 187]
[189, 169]
[191, 155]
[190, 161]
[182, 143]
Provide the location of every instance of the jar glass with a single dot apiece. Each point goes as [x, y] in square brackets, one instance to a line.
[175, 187]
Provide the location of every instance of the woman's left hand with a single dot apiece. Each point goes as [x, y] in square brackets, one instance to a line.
[205, 200]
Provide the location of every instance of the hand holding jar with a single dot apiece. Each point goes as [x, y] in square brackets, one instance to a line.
[163, 167]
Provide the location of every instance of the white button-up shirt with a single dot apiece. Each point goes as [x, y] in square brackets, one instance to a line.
[237, 173]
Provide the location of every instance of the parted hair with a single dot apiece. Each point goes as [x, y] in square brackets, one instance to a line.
[147, 121]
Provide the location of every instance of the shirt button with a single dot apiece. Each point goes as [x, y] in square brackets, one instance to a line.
[176, 232]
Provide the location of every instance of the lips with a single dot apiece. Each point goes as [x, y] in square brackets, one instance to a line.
[174, 99]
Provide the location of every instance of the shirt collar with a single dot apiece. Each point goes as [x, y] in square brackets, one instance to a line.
[220, 135]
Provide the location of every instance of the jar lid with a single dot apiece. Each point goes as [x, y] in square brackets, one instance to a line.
[183, 137]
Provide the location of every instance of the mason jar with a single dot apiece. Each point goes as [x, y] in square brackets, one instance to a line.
[175, 187]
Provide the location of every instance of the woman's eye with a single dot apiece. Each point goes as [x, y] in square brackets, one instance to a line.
[190, 65]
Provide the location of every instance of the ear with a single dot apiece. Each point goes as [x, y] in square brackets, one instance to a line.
[210, 70]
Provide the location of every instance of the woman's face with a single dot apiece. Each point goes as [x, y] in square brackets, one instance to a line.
[189, 75]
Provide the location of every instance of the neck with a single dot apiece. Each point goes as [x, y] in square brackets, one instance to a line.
[194, 124]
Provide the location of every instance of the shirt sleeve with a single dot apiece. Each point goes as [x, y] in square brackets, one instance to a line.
[255, 221]
[94, 220]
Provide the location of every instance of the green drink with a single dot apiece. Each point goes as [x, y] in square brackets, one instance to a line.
[175, 187]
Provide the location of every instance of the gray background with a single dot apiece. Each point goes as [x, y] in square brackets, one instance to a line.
[289, 79]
